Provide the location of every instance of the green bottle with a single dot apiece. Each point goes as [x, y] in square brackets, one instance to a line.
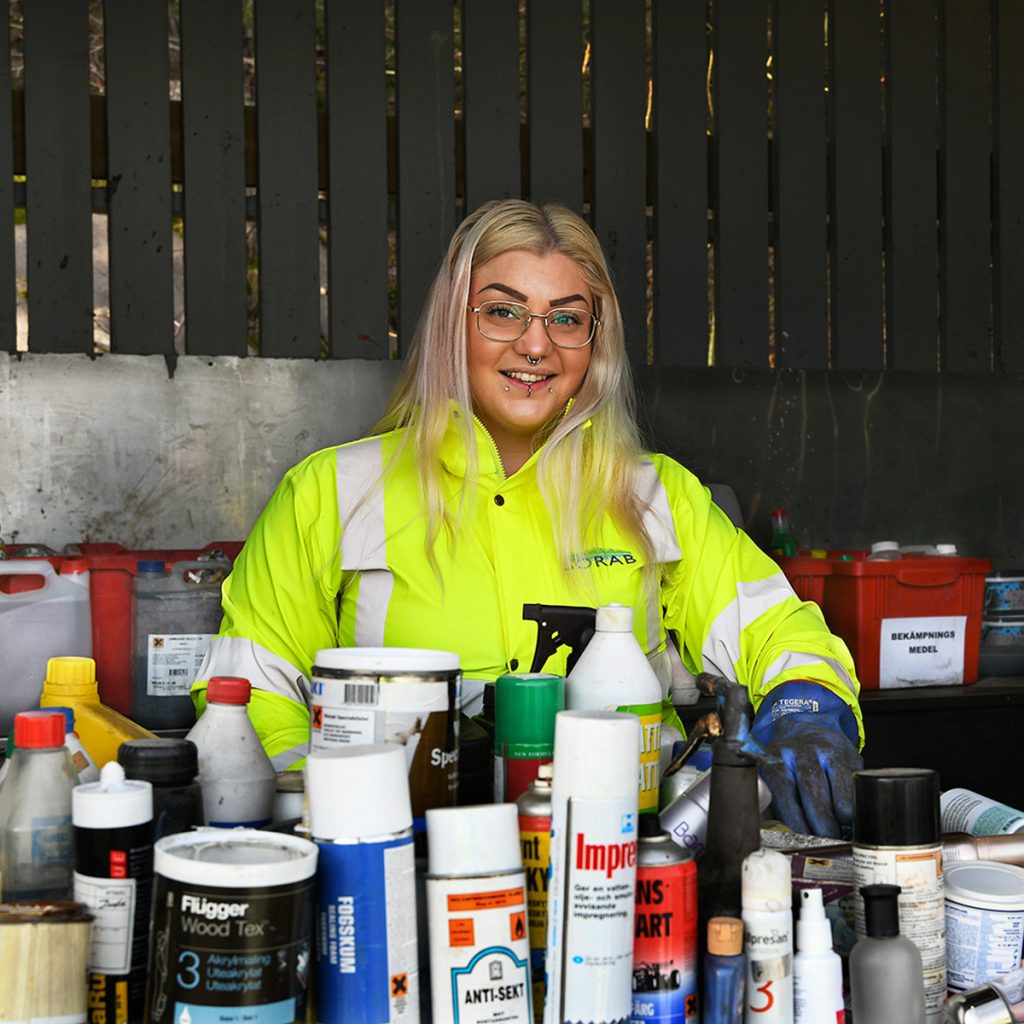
[783, 542]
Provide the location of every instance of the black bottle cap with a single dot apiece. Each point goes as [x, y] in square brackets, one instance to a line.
[881, 910]
[650, 826]
[896, 807]
[166, 762]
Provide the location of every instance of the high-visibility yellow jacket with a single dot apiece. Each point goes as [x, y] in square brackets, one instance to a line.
[303, 583]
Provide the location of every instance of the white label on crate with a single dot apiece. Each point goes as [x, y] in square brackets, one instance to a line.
[922, 651]
[174, 662]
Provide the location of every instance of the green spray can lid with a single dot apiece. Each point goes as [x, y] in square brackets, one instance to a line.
[525, 705]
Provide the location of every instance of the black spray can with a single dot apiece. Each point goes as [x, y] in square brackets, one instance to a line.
[113, 833]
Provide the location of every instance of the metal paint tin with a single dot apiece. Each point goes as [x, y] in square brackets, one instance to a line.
[1004, 592]
[665, 929]
[400, 695]
[230, 940]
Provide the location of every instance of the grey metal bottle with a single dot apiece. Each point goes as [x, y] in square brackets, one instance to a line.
[885, 967]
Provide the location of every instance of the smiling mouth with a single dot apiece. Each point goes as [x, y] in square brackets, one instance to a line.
[521, 377]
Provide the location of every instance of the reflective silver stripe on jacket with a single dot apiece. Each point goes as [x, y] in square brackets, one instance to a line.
[660, 526]
[363, 539]
[798, 659]
[240, 656]
[283, 761]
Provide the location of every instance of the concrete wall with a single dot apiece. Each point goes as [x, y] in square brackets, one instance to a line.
[119, 449]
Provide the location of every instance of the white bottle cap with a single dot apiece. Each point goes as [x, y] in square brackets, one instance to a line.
[767, 881]
[596, 754]
[884, 545]
[945, 549]
[479, 840]
[813, 931]
[386, 660]
[113, 802]
[614, 618]
[358, 792]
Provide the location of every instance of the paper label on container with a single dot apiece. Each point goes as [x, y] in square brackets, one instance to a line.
[112, 904]
[174, 662]
[926, 651]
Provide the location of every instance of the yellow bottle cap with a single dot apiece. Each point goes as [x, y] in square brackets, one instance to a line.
[71, 672]
[819, 553]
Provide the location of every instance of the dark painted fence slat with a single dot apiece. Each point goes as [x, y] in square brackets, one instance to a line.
[357, 195]
[856, 67]
[426, 151]
[912, 247]
[213, 154]
[139, 183]
[490, 108]
[966, 278]
[741, 212]
[680, 215]
[801, 175]
[554, 99]
[8, 322]
[619, 94]
[1009, 226]
[58, 193]
[288, 216]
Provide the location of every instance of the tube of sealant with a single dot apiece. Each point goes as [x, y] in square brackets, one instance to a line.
[768, 918]
[594, 810]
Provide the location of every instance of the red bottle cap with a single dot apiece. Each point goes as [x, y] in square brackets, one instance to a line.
[39, 729]
[228, 690]
[71, 566]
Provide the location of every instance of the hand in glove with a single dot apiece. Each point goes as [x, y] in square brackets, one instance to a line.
[813, 732]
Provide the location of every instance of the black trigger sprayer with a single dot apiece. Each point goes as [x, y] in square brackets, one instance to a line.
[560, 625]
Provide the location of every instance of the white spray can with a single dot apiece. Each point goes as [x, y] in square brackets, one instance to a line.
[817, 969]
[476, 916]
[768, 922]
[591, 904]
[613, 674]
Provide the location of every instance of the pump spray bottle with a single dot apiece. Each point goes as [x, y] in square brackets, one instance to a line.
[817, 969]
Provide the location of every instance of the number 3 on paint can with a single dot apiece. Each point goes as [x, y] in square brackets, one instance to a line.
[188, 977]
[766, 991]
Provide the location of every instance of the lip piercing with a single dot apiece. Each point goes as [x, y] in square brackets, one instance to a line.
[533, 360]
[529, 389]
[506, 387]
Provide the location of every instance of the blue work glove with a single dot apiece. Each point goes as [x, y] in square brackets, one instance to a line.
[813, 732]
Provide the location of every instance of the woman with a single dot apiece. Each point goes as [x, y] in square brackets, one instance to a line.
[508, 470]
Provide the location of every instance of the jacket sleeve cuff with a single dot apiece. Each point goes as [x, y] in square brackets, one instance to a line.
[801, 696]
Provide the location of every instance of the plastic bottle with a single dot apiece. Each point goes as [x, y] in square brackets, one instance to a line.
[724, 972]
[84, 764]
[236, 776]
[885, 967]
[783, 542]
[36, 851]
[966, 811]
[174, 616]
[613, 674]
[884, 551]
[71, 682]
[768, 919]
[817, 968]
[171, 767]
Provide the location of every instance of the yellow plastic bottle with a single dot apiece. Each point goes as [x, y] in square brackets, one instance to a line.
[71, 682]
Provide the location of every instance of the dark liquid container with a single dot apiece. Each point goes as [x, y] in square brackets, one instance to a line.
[171, 766]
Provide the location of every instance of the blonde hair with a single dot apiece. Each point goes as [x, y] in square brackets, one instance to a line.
[583, 474]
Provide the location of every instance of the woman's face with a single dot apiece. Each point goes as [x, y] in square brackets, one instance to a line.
[513, 397]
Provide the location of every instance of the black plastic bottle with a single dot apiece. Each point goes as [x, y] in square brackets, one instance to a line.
[171, 766]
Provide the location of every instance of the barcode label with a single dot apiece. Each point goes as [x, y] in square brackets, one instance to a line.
[360, 693]
[177, 672]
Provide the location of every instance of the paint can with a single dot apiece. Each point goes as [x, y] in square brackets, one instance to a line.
[535, 838]
[230, 939]
[665, 929]
[400, 695]
[984, 922]
[476, 915]
[525, 706]
[594, 812]
[361, 821]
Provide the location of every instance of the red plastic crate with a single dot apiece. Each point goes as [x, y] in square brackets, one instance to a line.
[906, 621]
[807, 576]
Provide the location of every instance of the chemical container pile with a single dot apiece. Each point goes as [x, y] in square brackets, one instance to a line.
[590, 866]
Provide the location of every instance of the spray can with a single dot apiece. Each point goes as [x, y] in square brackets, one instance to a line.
[113, 833]
[365, 915]
[665, 929]
[593, 868]
[535, 837]
[897, 840]
[768, 919]
[476, 915]
[525, 706]
[613, 674]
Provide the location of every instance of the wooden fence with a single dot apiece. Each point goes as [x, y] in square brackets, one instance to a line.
[791, 183]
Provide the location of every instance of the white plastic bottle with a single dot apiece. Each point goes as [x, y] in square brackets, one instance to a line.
[817, 969]
[80, 757]
[768, 921]
[613, 674]
[236, 776]
[884, 551]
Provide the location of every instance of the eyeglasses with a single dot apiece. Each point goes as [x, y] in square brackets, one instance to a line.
[508, 321]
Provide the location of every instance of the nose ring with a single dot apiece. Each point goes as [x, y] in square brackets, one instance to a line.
[533, 360]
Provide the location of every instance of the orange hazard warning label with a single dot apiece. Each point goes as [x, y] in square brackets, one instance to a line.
[460, 931]
[317, 719]
[517, 926]
[461, 902]
[399, 985]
